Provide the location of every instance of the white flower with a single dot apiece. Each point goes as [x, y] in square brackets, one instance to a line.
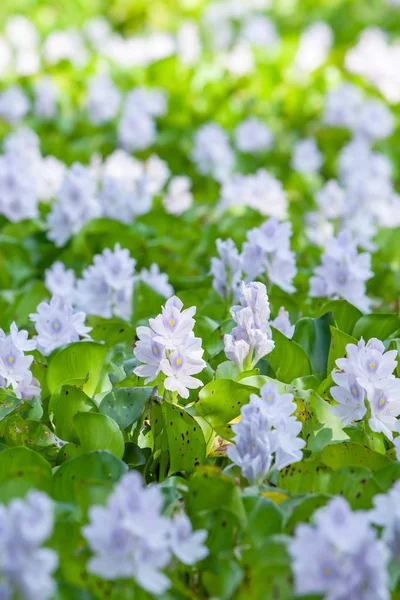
[252, 136]
[157, 280]
[179, 367]
[57, 324]
[179, 197]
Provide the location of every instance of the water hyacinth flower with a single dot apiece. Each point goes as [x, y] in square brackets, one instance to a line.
[365, 379]
[212, 153]
[306, 157]
[343, 272]
[76, 204]
[26, 567]
[386, 514]
[253, 136]
[339, 556]
[137, 128]
[179, 198]
[169, 347]
[60, 281]
[106, 286]
[103, 100]
[267, 253]
[267, 435]
[156, 280]
[57, 324]
[45, 106]
[260, 191]
[250, 340]
[15, 365]
[13, 105]
[283, 324]
[227, 271]
[131, 539]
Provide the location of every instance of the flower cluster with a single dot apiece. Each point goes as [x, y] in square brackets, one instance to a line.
[106, 286]
[253, 136]
[261, 191]
[306, 157]
[282, 323]
[169, 347]
[266, 437]
[250, 340]
[267, 253]
[212, 153]
[103, 100]
[339, 556]
[26, 568]
[15, 364]
[227, 271]
[366, 386]
[131, 539]
[137, 128]
[76, 204]
[57, 324]
[343, 272]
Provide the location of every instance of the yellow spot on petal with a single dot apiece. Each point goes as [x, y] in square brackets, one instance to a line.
[354, 390]
[381, 401]
[10, 360]
[372, 365]
[172, 322]
[155, 350]
[269, 397]
[178, 361]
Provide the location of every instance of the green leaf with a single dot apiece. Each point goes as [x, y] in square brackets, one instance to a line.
[320, 426]
[100, 467]
[22, 469]
[349, 454]
[356, 484]
[345, 314]
[264, 518]
[63, 406]
[186, 443]
[337, 350]
[220, 402]
[111, 331]
[79, 360]
[301, 508]
[314, 336]
[99, 432]
[305, 477]
[288, 359]
[126, 405]
[378, 325]
[146, 302]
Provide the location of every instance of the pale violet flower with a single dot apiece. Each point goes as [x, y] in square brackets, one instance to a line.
[331, 200]
[212, 153]
[314, 46]
[267, 253]
[266, 438]
[13, 105]
[45, 106]
[106, 287]
[343, 272]
[27, 568]
[375, 120]
[339, 556]
[342, 106]
[187, 545]
[131, 539]
[18, 196]
[179, 198]
[227, 271]
[250, 340]
[65, 45]
[76, 203]
[57, 324]
[260, 31]
[261, 191]
[103, 100]
[179, 366]
[365, 377]
[156, 280]
[253, 135]
[386, 514]
[169, 347]
[15, 365]
[137, 128]
[306, 157]
[283, 324]
[60, 281]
